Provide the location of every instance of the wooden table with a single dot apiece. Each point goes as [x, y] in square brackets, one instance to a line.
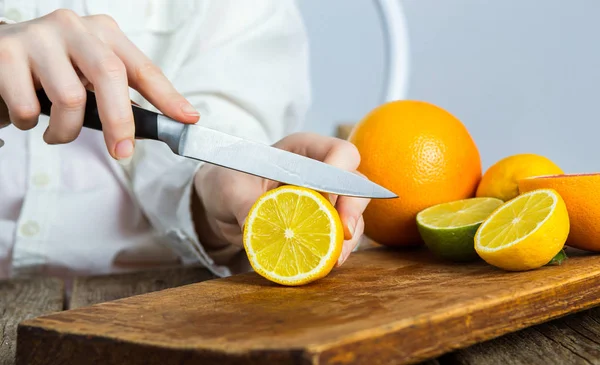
[574, 339]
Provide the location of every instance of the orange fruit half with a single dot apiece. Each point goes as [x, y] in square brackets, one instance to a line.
[580, 193]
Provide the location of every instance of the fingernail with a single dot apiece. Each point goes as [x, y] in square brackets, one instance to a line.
[125, 161]
[343, 256]
[189, 110]
[124, 149]
[351, 222]
[347, 255]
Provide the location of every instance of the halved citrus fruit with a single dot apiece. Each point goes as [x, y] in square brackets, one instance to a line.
[580, 193]
[525, 233]
[293, 236]
[448, 228]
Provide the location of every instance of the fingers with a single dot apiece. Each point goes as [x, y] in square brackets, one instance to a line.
[334, 151]
[351, 211]
[228, 193]
[143, 75]
[64, 54]
[20, 104]
[58, 78]
[349, 245]
[244, 191]
[344, 155]
[105, 70]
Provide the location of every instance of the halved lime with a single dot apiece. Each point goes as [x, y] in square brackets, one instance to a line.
[448, 229]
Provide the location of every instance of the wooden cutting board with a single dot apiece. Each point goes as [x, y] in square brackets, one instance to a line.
[381, 307]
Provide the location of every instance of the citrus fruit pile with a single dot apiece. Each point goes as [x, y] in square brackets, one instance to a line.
[524, 233]
[420, 152]
[426, 156]
[518, 215]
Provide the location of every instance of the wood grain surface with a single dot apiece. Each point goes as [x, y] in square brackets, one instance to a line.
[23, 299]
[381, 307]
[103, 288]
[574, 339]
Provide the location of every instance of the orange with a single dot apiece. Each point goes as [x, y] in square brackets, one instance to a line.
[420, 152]
[500, 180]
[580, 193]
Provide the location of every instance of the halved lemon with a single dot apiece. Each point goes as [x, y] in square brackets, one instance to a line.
[525, 233]
[293, 236]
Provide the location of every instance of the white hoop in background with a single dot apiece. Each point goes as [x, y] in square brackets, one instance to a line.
[396, 48]
[396, 58]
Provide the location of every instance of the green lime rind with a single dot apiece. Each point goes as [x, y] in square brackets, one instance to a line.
[455, 244]
[448, 229]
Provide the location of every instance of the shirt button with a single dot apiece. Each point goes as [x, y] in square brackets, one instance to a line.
[30, 229]
[40, 180]
[13, 14]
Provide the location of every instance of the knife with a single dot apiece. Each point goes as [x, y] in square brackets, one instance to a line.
[218, 148]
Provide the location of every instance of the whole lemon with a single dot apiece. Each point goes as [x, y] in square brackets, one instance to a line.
[501, 179]
[420, 152]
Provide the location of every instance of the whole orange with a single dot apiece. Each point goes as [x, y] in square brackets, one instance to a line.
[422, 153]
[580, 193]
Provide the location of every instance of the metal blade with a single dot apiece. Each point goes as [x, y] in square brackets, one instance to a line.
[262, 160]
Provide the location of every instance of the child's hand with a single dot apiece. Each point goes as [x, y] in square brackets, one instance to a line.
[228, 195]
[64, 53]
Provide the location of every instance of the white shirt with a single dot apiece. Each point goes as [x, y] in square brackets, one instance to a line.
[71, 209]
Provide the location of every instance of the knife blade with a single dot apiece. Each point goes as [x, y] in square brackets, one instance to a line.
[212, 146]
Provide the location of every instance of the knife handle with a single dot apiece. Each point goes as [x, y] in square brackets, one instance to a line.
[146, 121]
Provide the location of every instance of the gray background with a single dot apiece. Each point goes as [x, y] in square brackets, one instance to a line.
[522, 75]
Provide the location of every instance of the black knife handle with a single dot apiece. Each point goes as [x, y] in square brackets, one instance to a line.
[146, 121]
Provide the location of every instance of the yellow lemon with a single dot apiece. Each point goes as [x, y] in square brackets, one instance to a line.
[524, 233]
[293, 236]
[501, 179]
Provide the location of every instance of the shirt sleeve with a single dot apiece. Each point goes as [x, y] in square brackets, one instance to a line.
[246, 71]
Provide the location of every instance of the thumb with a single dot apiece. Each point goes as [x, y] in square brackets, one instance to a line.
[243, 194]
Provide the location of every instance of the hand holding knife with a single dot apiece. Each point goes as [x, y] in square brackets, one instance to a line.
[218, 148]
